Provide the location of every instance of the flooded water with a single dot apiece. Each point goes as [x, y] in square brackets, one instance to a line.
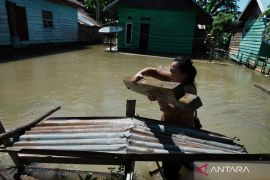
[88, 82]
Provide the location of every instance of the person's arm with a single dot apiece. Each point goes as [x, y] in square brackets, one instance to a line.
[152, 72]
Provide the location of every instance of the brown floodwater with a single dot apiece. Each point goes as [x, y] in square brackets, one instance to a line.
[88, 82]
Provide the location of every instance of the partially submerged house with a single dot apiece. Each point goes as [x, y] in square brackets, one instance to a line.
[163, 26]
[25, 22]
[247, 46]
[88, 28]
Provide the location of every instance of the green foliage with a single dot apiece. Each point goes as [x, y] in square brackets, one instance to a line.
[96, 6]
[214, 7]
[224, 13]
[266, 13]
[87, 177]
[266, 33]
[218, 30]
[116, 174]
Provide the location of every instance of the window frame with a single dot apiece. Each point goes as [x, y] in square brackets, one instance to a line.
[128, 23]
[47, 21]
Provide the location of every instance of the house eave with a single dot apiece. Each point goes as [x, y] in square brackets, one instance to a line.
[203, 16]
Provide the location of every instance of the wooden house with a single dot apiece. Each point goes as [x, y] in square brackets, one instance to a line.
[162, 26]
[25, 22]
[246, 45]
[88, 28]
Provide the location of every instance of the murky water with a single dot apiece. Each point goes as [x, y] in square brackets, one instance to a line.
[88, 82]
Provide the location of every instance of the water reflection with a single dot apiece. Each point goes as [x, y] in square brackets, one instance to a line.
[88, 82]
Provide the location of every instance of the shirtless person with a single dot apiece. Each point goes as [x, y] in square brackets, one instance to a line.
[182, 71]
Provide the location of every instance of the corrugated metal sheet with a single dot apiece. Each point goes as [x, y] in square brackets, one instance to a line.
[75, 2]
[85, 19]
[251, 40]
[123, 136]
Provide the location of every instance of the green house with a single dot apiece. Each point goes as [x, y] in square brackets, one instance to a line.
[159, 26]
[247, 46]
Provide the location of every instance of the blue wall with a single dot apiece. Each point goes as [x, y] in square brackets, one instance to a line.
[65, 20]
[4, 29]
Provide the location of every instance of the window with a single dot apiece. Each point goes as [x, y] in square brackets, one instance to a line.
[47, 17]
[128, 33]
[145, 18]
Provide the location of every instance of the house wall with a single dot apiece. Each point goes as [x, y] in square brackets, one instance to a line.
[4, 29]
[265, 50]
[251, 39]
[64, 21]
[89, 34]
[170, 31]
[235, 43]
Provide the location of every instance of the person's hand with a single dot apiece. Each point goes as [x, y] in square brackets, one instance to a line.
[152, 97]
[137, 77]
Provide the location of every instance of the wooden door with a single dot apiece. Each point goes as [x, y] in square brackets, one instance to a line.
[10, 6]
[21, 22]
[144, 36]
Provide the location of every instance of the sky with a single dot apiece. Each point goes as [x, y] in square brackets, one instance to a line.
[242, 4]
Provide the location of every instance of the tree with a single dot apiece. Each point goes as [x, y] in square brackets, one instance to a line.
[224, 13]
[266, 33]
[214, 7]
[219, 30]
[95, 10]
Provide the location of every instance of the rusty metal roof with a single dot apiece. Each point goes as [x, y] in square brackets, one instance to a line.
[123, 136]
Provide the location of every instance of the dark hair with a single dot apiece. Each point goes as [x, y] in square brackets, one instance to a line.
[185, 66]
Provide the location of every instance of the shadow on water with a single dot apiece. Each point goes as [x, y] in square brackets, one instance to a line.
[8, 54]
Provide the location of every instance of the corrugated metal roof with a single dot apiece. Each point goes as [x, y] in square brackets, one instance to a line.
[75, 2]
[85, 19]
[69, 2]
[263, 5]
[123, 136]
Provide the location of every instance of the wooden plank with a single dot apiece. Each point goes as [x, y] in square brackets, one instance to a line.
[146, 157]
[172, 92]
[130, 107]
[14, 156]
[163, 89]
[87, 118]
[69, 160]
[264, 89]
[129, 170]
[26, 127]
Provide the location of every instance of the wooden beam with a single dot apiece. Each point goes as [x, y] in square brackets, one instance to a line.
[130, 108]
[264, 89]
[14, 156]
[26, 127]
[145, 157]
[69, 160]
[129, 170]
[156, 87]
[172, 92]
